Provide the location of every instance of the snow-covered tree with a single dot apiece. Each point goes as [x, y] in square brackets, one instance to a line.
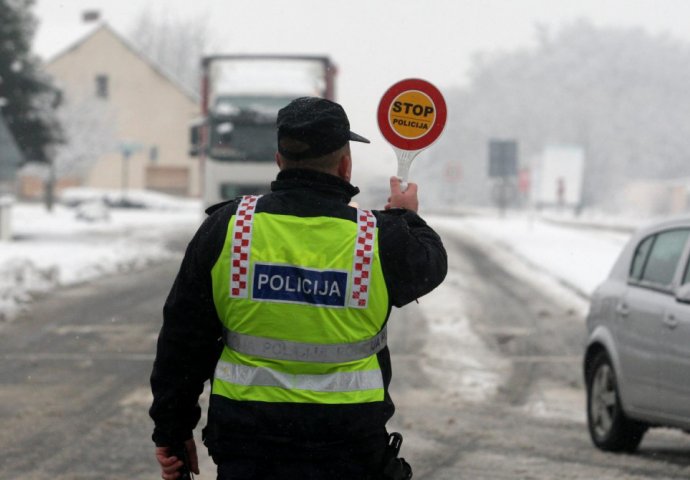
[27, 98]
[621, 94]
[88, 126]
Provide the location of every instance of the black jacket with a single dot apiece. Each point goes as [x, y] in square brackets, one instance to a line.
[413, 261]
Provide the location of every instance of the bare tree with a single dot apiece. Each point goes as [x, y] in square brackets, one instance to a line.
[175, 44]
[621, 94]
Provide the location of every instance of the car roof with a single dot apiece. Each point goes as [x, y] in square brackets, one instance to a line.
[667, 223]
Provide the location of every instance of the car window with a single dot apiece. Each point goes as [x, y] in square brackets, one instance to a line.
[686, 277]
[663, 257]
[640, 258]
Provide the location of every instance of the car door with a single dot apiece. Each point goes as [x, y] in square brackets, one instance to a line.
[674, 354]
[641, 313]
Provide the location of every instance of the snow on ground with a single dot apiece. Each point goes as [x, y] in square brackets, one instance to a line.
[563, 260]
[577, 258]
[57, 249]
[456, 357]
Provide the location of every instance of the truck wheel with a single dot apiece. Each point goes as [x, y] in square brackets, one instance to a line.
[610, 429]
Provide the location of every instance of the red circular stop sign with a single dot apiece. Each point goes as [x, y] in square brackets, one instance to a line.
[412, 114]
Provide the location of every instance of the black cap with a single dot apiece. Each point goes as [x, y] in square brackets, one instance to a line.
[309, 127]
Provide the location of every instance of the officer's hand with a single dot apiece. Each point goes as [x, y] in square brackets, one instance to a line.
[407, 199]
[170, 464]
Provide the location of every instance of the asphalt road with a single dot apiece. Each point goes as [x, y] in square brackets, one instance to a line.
[74, 386]
[533, 427]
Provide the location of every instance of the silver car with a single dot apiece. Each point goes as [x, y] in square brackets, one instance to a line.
[637, 359]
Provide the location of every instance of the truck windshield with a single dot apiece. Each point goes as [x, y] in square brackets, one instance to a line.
[244, 142]
[245, 95]
[266, 105]
[243, 127]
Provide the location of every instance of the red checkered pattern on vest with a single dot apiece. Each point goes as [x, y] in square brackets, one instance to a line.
[364, 257]
[241, 244]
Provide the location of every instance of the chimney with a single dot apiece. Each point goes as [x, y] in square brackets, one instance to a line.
[90, 16]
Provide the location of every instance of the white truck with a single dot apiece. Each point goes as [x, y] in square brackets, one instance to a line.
[558, 176]
[235, 137]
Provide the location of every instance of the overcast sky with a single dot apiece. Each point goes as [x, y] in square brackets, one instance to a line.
[374, 42]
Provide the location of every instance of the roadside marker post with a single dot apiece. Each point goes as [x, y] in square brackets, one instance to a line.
[411, 116]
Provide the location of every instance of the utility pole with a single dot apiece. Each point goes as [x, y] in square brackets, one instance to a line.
[127, 149]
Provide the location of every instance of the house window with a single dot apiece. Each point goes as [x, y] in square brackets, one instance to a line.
[102, 86]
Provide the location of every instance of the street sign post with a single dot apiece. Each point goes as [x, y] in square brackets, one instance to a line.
[503, 168]
[503, 158]
[411, 116]
[127, 149]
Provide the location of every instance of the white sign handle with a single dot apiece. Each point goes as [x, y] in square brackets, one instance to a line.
[405, 158]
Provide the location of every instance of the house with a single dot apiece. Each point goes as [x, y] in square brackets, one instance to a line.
[149, 114]
[10, 160]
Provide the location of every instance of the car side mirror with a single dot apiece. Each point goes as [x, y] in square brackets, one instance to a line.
[683, 293]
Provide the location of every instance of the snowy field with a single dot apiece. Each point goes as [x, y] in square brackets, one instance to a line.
[579, 259]
[50, 250]
[55, 249]
[78, 244]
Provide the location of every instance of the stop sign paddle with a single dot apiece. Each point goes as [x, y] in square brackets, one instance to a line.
[411, 116]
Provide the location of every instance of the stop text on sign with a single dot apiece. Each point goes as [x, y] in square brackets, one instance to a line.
[412, 114]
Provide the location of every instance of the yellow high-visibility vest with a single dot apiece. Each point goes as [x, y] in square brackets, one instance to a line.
[303, 304]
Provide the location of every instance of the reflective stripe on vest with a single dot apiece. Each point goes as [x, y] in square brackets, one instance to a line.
[241, 246]
[364, 254]
[361, 264]
[304, 352]
[330, 382]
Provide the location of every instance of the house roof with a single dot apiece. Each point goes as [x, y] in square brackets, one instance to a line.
[10, 155]
[91, 30]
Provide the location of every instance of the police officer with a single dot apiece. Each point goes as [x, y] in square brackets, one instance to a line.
[282, 301]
